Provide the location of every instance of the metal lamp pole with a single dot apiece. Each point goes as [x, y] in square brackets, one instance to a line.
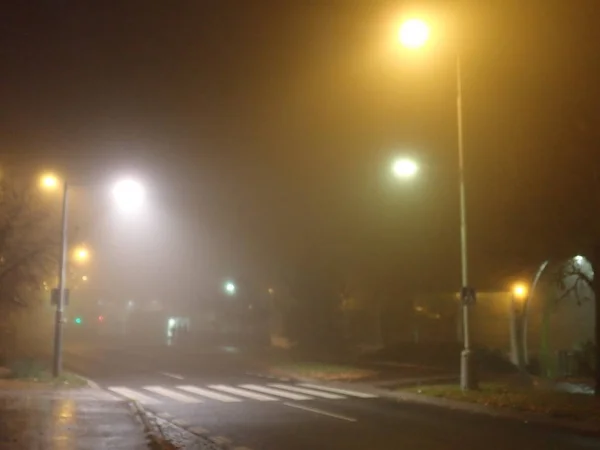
[467, 367]
[62, 278]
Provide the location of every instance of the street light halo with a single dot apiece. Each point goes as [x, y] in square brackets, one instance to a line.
[413, 33]
[49, 181]
[519, 291]
[405, 168]
[129, 195]
[81, 254]
[230, 288]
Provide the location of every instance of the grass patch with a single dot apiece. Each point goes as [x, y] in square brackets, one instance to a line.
[499, 395]
[32, 373]
[320, 371]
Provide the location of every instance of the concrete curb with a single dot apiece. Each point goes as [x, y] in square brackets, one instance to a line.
[158, 440]
[473, 408]
[208, 440]
[91, 384]
[154, 436]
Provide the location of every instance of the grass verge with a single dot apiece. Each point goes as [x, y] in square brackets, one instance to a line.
[32, 374]
[321, 371]
[551, 403]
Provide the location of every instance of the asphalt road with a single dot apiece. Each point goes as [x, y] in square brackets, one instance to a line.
[213, 392]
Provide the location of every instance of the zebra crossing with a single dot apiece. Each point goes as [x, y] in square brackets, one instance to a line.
[272, 392]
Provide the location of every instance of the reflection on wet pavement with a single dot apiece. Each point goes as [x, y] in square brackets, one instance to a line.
[41, 421]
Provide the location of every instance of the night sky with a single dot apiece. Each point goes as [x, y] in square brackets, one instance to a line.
[266, 128]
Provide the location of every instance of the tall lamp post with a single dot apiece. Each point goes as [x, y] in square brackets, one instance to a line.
[414, 34]
[517, 311]
[129, 195]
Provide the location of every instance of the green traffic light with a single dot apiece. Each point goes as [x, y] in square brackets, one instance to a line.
[78, 320]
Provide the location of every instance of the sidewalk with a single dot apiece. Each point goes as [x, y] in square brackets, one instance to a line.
[77, 419]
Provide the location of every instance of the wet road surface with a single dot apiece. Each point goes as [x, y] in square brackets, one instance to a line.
[214, 394]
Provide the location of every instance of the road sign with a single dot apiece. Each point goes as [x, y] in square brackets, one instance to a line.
[468, 295]
[54, 297]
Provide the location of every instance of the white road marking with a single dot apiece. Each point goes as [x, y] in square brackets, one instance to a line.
[320, 411]
[308, 391]
[209, 394]
[134, 395]
[172, 394]
[277, 392]
[243, 393]
[339, 391]
[172, 375]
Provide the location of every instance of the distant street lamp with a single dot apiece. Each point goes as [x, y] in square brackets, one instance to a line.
[230, 288]
[129, 195]
[405, 168]
[414, 34]
[49, 181]
[81, 254]
[517, 310]
[519, 292]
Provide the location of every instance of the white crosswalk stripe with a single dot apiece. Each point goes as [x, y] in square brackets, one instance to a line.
[312, 392]
[277, 392]
[243, 393]
[209, 394]
[172, 394]
[134, 395]
[271, 392]
[339, 391]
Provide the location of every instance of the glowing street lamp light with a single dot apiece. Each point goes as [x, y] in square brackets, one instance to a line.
[519, 291]
[405, 168]
[49, 181]
[129, 195]
[230, 288]
[81, 254]
[414, 33]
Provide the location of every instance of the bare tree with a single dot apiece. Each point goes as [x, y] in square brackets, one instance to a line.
[576, 280]
[28, 246]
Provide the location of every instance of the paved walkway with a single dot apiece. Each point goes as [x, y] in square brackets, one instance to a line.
[78, 419]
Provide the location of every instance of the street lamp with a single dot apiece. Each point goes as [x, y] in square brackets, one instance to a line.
[230, 288]
[128, 194]
[81, 254]
[404, 168]
[517, 310]
[413, 34]
[49, 181]
[519, 291]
